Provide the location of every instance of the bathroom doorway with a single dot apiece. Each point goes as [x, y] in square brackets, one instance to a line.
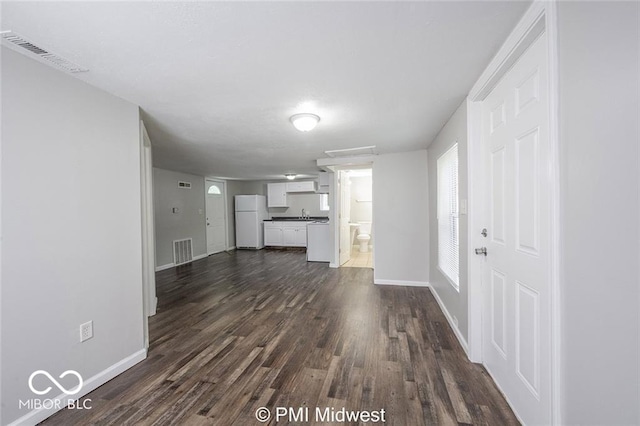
[356, 217]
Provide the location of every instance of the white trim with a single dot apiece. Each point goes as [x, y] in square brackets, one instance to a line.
[231, 248]
[380, 281]
[540, 17]
[475, 193]
[551, 14]
[171, 265]
[523, 35]
[148, 231]
[449, 318]
[36, 416]
[163, 267]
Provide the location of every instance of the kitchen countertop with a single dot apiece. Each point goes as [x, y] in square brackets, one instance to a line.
[297, 219]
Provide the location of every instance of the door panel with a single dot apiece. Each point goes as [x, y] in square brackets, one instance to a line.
[517, 271]
[498, 307]
[216, 216]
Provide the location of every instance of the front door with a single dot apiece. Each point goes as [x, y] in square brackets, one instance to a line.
[216, 217]
[517, 273]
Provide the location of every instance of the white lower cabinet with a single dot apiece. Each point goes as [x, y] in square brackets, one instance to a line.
[295, 236]
[272, 235]
[285, 234]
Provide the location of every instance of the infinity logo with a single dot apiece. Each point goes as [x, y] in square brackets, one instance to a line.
[55, 382]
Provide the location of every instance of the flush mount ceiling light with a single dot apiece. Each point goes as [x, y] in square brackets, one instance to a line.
[304, 122]
[290, 176]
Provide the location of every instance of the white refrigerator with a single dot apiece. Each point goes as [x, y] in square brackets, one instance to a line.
[251, 211]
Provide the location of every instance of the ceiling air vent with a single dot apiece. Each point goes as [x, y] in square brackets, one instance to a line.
[352, 152]
[20, 44]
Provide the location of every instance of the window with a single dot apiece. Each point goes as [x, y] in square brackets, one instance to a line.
[214, 190]
[447, 204]
[324, 202]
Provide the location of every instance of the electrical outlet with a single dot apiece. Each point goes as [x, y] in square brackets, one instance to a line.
[455, 321]
[86, 331]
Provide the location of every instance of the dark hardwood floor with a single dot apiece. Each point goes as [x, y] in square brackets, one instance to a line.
[235, 332]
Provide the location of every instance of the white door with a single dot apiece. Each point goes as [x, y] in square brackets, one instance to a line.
[216, 216]
[517, 272]
[345, 216]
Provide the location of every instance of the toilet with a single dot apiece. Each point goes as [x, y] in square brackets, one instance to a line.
[364, 235]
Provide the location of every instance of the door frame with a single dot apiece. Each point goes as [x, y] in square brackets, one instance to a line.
[342, 177]
[150, 301]
[335, 165]
[226, 213]
[540, 17]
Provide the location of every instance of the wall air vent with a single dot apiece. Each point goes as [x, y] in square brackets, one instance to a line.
[182, 251]
[22, 45]
[184, 185]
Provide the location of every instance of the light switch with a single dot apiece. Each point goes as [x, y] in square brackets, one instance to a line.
[200, 212]
[175, 210]
[463, 206]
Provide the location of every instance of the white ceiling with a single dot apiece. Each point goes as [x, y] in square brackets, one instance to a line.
[218, 81]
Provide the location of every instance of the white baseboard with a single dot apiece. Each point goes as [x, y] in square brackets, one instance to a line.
[36, 416]
[154, 307]
[401, 283]
[171, 265]
[449, 318]
[163, 267]
[231, 248]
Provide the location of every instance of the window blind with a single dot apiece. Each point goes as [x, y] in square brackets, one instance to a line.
[447, 205]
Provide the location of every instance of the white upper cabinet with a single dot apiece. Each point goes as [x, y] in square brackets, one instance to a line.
[277, 195]
[302, 186]
[323, 182]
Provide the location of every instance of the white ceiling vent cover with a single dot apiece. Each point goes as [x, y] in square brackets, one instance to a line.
[352, 152]
[22, 45]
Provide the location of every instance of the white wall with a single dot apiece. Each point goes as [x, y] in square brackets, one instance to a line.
[361, 196]
[401, 217]
[189, 222]
[71, 221]
[309, 202]
[254, 187]
[361, 205]
[455, 302]
[598, 60]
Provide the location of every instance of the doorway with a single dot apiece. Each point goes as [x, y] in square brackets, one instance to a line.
[216, 215]
[355, 186]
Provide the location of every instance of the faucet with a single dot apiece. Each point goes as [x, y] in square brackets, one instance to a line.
[303, 214]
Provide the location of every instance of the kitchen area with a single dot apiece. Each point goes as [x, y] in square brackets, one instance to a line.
[293, 214]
